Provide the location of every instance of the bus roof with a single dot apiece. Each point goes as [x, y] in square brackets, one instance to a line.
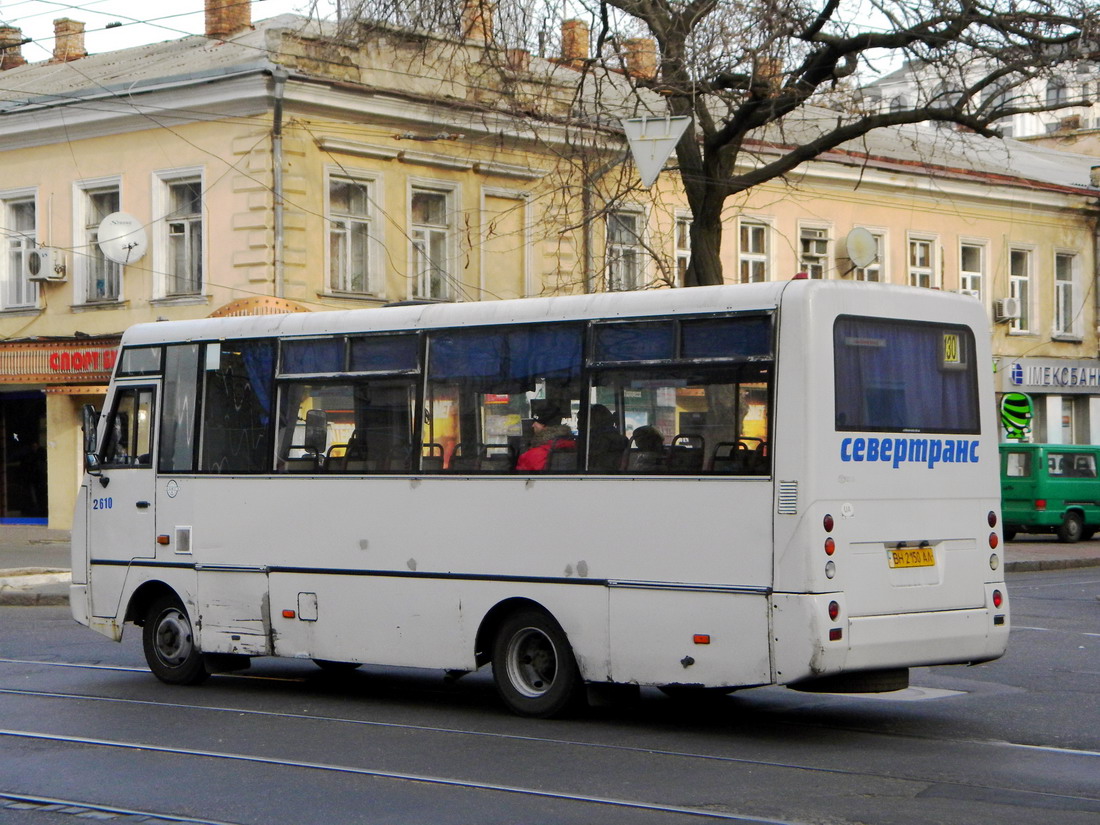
[634, 304]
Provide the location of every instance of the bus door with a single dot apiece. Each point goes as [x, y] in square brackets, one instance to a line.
[121, 510]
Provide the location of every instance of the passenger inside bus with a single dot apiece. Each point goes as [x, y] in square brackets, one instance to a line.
[606, 444]
[549, 437]
[647, 450]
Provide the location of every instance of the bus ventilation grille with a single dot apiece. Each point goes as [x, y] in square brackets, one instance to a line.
[788, 498]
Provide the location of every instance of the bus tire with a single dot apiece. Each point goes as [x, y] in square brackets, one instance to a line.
[169, 642]
[1072, 528]
[1009, 534]
[533, 665]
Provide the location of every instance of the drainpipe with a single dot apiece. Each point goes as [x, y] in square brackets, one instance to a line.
[278, 76]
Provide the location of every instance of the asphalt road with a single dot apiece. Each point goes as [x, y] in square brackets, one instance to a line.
[1014, 741]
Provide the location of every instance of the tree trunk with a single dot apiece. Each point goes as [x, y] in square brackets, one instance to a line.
[705, 267]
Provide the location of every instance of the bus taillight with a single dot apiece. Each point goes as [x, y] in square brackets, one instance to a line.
[993, 541]
[998, 599]
[992, 518]
[830, 546]
[1040, 504]
[828, 523]
[834, 610]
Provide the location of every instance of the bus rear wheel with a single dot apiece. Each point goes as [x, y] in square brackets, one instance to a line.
[169, 643]
[1072, 528]
[533, 666]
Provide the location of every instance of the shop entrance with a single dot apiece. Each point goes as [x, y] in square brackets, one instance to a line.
[23, 483]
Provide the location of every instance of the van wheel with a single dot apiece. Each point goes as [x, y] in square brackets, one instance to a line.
[533, 665]
[169, 643]
[1072, 529]
[1009, 534]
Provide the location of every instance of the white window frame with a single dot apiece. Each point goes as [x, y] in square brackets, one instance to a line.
[12, 270]
[681, 243]
[878, 266]
[819, 258]
[617, 252]
[338, 224]
[973, 281]
[754, 257]
[162, 254]
[420, 276]
[1067, 304]
[915, 273]
[87, 252]
[1022, 287]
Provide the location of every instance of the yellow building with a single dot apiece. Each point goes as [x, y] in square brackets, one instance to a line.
[268, 168]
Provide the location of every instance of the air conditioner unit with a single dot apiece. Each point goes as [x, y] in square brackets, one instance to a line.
[1006, 309]
[44, 264]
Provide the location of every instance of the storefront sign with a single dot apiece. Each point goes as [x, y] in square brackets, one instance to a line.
[87, 360]
[1050, 375]
[71, 361]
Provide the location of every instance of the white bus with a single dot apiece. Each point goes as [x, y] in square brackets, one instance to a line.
[697, 489]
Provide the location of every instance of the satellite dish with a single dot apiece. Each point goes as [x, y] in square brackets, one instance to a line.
[122, 238]
[862, 249]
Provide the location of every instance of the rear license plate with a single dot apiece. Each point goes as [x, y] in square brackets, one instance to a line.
[911, 557]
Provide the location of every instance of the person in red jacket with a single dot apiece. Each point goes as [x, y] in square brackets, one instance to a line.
[548, 435]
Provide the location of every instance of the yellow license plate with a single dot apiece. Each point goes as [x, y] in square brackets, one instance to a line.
[911, 557]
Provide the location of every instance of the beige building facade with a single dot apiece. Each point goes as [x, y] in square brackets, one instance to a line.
[265, 168]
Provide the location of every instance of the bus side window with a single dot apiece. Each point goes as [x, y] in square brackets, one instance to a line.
[130, 429]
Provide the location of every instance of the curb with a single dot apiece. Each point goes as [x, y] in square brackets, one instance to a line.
[1036, 565]
[28, 598]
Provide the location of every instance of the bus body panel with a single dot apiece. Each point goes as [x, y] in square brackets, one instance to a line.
[691, 637]
[1062, 476]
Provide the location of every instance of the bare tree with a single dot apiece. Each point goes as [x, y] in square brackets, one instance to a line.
[768, 83]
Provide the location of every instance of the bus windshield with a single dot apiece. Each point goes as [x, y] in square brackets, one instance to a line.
[901, 376]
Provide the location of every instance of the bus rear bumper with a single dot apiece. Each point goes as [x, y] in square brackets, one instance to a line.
[808, 646]
[921, 639]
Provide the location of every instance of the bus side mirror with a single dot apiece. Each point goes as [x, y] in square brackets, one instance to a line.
[316, 431]
[90, 421]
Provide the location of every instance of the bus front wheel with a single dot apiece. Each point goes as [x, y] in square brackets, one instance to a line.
[533, 665]
[169, 643]
[1072, 529]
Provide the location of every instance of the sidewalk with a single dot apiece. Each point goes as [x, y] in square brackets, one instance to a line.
[35, 562]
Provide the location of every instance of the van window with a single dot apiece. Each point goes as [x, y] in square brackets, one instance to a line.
[1071, 465]
[1018, 465]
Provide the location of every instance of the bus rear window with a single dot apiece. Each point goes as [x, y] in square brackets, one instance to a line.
[901, 376]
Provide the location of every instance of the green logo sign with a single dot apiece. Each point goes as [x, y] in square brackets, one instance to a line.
[1016, 413]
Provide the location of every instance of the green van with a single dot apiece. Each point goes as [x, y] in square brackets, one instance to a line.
[1050, 488]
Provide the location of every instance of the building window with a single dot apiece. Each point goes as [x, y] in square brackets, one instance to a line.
[814, 253]
[1065, 309]
[922, 262]
[1019, 287]
[183, 264]
[350, 233]
[683, 248]
[971, 268]
[102, 276]
[753, 253]
[1057, 92]
[874, 272]
[430, 229]
[19, 229]
[624, 251]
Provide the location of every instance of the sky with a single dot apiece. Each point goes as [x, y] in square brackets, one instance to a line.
[143, 21]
